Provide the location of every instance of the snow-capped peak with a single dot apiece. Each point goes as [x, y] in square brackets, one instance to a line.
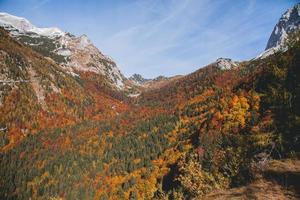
[288, 23]
[71, 53]
[19, 25]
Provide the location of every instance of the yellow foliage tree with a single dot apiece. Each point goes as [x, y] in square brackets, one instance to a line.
[194, 179]
[236, 113]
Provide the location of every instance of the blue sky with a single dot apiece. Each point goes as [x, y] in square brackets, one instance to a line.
[161, 37]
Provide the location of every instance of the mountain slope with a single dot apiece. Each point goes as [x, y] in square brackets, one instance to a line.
[36, 93]
[74, 54]
[182, 88]
[64, 136]
[267, 187]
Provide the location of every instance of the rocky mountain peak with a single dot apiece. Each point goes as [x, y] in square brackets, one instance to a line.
[288, 23]
[70, 52]
[225, 63]
[84, 41]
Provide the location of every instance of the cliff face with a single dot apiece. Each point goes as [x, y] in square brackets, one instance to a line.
[288, 23]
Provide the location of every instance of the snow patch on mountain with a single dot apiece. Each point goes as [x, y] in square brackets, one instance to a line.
[19, 25]
[64, 52]
[287, 24]
[75, 53]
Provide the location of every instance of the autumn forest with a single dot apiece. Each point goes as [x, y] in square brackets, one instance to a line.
[78, 137]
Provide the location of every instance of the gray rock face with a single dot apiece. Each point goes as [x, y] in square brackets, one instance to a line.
[288, 23]
[70, 52]
[225, 63]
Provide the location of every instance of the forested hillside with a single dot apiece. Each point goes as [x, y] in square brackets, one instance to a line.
[219, 121]
[206, 135]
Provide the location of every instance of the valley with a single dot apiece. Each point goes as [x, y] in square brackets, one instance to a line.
[72, 126]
